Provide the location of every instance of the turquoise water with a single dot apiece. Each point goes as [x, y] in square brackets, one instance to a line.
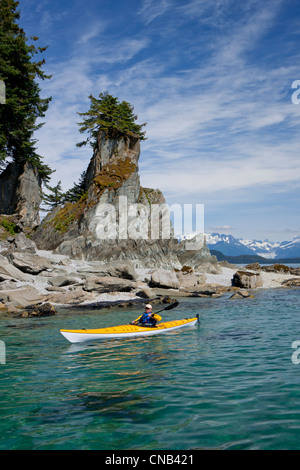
[229, 384]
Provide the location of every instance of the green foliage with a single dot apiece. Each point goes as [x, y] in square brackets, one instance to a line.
[115, 119]
[19, 71]
[69, 213]
[77, 191]
[113, 175]
[55, 197]
[9, 226]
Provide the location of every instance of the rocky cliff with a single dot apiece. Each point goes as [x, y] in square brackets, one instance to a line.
[113, 220]
[21, 195]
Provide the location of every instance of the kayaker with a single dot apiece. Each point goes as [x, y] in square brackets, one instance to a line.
[148, 318]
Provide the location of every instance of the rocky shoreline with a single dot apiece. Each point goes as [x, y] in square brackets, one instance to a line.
[78, 256]
[38, 282]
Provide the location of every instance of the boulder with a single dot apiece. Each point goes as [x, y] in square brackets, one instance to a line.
[164, 278]
[276, 268]
[253, 266]
[44, 310]
[21, 297]
[21, 243]
[187, 278]
[242, 295]
[8, 272]
[108, 284]
[294, 282]
[29, 263]
[247, 280]
[281, 269]
[124, 270]
[209, 267]
[64, 281]
[205, 291]
[295, 271]
[145, 293]
[70, 297]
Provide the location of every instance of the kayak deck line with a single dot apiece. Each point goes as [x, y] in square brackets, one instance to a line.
[123, 331]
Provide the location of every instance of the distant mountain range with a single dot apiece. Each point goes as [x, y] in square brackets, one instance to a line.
[231, 246]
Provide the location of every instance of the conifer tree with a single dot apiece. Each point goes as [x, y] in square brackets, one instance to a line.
[55, 197]
[23, 106]
[77, 191]
[107, 114]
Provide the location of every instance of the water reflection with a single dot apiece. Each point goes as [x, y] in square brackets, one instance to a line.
[125, 403]
[108, 374]
[119, 382]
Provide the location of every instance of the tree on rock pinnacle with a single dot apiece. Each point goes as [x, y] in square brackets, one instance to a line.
[112, 117]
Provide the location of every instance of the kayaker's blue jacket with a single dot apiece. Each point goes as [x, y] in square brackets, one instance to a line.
[147, 318]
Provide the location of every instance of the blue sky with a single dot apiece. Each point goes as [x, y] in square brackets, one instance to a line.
[212, 79]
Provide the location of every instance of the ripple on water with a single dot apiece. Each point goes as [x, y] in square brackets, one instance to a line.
[229, 384]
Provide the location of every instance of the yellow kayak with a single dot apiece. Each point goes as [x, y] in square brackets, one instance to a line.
[126, 331]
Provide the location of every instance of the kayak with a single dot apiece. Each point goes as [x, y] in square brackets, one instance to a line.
[126, 331]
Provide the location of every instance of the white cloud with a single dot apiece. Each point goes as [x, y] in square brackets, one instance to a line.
[223, 229]
[212, 178]
[210, 125]
[152, 9]
[92, 33]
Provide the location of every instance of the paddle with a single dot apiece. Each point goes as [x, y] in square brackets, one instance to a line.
[169, 307]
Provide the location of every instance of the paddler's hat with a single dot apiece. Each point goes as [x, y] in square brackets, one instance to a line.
[148, 306]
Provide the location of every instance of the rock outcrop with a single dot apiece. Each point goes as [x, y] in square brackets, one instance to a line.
[36, 280]
[117, 219]
[247, 280]
[295, 282]
[29, 263]
[242, 295]
[274, 268]
[21, 194]
[164, 278]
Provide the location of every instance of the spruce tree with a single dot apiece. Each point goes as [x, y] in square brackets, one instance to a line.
[55, 197]
[107, 114]
[20, 72]
[77, 191]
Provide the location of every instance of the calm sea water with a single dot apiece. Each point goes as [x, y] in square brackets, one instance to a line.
[228, 384]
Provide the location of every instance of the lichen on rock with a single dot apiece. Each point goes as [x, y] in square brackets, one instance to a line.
[113, 175]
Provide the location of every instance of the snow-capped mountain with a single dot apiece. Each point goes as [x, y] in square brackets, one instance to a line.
[227, 244]
[262, 248]
[231, 246]
[290, 249]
